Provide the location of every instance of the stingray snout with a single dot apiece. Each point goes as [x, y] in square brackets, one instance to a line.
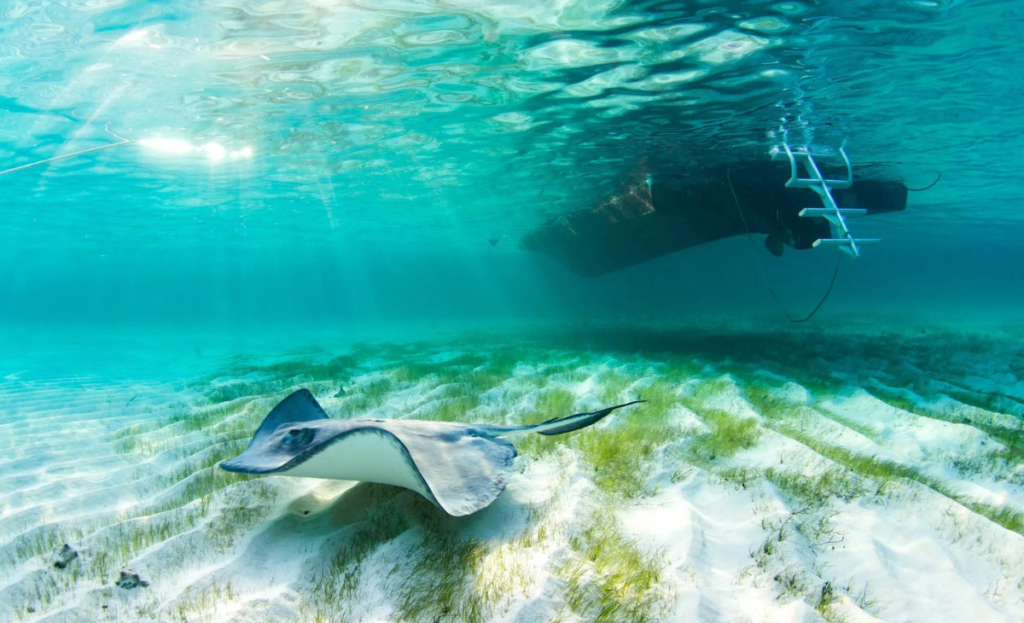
[248, 462]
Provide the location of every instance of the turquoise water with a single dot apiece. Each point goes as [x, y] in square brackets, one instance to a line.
[390, 143]
[331, 195]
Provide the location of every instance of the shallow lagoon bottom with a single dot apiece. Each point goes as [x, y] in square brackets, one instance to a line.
[872, 473]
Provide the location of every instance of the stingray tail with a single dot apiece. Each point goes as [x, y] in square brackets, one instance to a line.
[559, 426]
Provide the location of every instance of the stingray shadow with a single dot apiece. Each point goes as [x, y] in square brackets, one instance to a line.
[368, 502]
[344, 529]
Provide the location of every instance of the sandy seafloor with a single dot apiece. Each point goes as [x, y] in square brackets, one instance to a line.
[870, 474]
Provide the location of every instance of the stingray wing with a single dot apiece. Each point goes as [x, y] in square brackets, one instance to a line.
[464, 468]
[461, 468]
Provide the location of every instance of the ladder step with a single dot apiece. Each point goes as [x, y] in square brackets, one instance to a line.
[802, 161]
[805, 182]
[818, 152]
[807, 156]
[826, 212]
[836, 242]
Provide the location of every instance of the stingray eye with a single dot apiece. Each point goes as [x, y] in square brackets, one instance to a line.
[298, 436]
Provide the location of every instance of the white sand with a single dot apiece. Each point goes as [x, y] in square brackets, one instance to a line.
[903, 552]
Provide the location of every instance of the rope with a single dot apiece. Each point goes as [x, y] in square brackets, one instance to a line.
[760, 268]
[56, 158]
[918, 190]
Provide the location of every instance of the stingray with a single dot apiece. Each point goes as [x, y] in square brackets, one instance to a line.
[461, 468]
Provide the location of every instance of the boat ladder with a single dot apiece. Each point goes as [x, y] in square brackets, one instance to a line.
[819, 183]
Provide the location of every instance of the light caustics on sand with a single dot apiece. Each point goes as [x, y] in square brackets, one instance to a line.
[791, 493]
